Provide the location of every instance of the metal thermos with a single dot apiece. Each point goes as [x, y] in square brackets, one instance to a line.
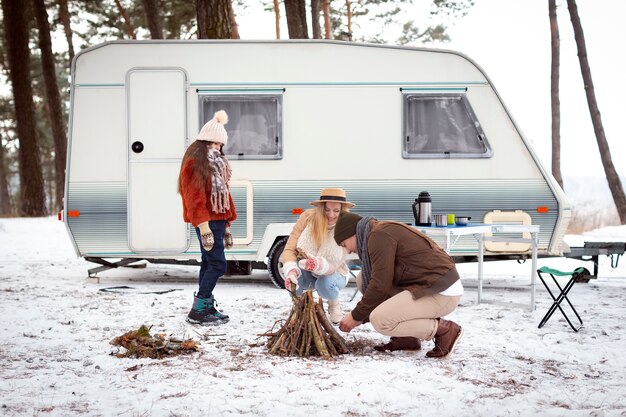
[422, 209]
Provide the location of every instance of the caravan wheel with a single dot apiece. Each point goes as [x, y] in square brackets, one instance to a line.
[275, 262]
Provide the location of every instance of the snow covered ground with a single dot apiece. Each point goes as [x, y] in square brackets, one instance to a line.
[56, 325]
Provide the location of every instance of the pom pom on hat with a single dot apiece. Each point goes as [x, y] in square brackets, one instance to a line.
[346, 226]
[221, 117]
[213, 130]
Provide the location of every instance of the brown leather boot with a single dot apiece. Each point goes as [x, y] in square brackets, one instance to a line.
[400, 343]
[446, 338]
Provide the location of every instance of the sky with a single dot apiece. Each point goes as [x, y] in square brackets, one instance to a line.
[510, 40]
[56, 359]
[512, 44]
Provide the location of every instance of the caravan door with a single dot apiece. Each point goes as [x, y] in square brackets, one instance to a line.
[157, 135]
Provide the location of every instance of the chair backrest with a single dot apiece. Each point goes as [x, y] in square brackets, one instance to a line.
[508, 217]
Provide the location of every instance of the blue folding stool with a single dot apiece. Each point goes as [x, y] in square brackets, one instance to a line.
[578, 275]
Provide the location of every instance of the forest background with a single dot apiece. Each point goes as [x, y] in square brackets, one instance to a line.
[50, 32]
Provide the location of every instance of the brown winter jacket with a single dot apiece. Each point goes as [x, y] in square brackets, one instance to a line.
[401, 259]
[197, 201]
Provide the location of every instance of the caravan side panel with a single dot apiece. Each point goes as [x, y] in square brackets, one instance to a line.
[341, 125]
[96, 175]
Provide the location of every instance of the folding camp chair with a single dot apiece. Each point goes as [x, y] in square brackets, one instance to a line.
[578, 275]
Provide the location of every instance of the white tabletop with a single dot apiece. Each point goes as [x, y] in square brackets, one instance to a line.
[454, 230]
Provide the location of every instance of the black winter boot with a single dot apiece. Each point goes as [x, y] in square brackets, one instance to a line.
[203, 312]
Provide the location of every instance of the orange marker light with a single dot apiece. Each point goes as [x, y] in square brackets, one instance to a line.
[542, 209]
[73, 213]
[297, 211]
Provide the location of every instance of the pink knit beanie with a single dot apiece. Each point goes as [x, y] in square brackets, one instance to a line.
[213, 130]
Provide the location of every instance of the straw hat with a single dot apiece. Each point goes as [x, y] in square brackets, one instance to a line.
[332, 195]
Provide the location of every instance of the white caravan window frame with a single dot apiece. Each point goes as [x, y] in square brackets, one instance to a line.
[459, 133]
[255, 122]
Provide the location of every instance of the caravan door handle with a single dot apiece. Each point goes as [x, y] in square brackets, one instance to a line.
[137, 147]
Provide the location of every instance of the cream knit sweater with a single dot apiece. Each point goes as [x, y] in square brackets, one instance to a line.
[302, 238]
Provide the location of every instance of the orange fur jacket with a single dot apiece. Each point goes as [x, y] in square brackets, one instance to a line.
[197, 201]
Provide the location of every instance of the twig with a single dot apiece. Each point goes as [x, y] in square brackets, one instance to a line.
[306, 332]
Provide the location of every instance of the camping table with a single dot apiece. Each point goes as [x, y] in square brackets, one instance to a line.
[452, 233]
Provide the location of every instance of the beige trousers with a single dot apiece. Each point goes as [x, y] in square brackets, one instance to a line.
[401, 315]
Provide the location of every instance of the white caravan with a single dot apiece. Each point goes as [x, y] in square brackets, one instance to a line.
[382, 122]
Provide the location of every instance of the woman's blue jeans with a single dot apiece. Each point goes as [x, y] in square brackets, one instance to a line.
[213, 264]
[327, 286]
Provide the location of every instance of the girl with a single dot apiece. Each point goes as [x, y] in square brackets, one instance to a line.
[209, 207]
[312, 236]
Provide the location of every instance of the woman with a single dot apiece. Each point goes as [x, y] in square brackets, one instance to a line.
[312, 238]
[408, 283]
[208, 206]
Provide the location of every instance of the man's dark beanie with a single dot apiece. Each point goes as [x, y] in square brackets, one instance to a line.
[346, 226]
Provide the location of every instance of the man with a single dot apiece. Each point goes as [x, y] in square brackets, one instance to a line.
[408, 283]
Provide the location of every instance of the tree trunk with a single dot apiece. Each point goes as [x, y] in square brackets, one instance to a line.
[5, 196]
[16, 28]
[201, 13]
[615, 184]
[295, 10]
[64, 16]
[129, 29]
[53, 98]
[554, 94]
[349, 13]
[151, 9]
[234, 27]
[277, 18]
[215, 23]
[315, 19]
[327, 29]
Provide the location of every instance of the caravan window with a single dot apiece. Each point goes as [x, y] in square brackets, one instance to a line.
[254, 123]
[441, 126]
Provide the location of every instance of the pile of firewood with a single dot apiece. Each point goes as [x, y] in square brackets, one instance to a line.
[141, 344]
[307, 331]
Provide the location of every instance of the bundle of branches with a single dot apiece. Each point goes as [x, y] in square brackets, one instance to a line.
[141, 344]
[307, 331]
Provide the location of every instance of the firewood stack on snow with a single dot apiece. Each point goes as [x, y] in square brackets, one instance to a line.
[307, 331]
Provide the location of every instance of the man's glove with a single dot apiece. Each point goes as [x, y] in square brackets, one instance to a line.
[206, 235]
[316, 264]
[228, 239]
